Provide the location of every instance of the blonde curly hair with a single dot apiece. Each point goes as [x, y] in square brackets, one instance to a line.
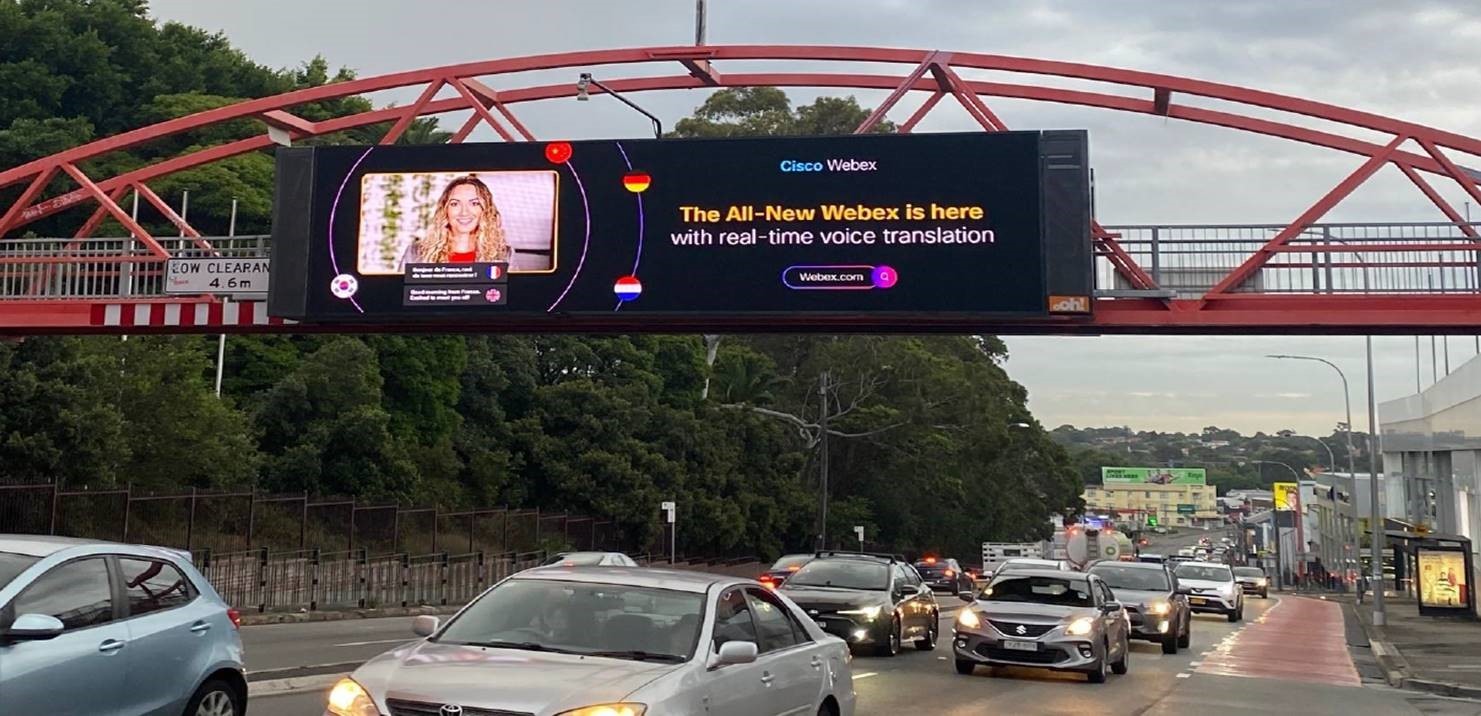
[489, 242]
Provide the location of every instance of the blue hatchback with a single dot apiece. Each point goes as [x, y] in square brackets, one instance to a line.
[89, 627]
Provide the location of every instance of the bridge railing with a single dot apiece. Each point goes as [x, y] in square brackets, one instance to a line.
[1402, 258]
[49, 268]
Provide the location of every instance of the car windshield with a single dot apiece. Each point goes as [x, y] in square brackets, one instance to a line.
[12, 564]
[1041, 590]
[1248, 572]
[1211, 572]
[791, 561]
[1118, 577]
[843, 574]
[611, 620]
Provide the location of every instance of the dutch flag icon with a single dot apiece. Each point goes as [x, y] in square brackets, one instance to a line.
[627, 288]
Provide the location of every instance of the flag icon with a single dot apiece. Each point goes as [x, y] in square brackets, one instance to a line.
[627, 288]
[636, 182]
[558, 152]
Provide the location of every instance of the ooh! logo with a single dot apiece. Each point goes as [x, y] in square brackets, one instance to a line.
[558, 152]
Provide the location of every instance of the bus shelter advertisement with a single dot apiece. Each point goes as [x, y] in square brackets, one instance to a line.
[1153, 476]
[922, 225]
[1443, 579]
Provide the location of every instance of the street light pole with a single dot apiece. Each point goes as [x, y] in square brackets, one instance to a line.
[582, 96]
[1375, 516]
[1351, 468]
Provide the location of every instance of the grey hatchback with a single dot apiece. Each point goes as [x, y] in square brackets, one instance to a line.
[89, 627]
[1065, 621]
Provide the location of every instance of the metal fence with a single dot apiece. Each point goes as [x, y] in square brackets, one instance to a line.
[1409, 258]
[296, 552]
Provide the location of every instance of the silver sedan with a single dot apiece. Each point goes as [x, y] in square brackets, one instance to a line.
[1065, 621]
[610, 641]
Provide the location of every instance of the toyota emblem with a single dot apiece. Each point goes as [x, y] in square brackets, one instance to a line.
[450, 710]
[1022, 630]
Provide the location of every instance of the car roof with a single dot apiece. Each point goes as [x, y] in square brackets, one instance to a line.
[1133, 565]
[46, 545]
[671, 579]
[1060, 573]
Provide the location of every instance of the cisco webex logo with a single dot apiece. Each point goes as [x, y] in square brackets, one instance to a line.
[790, 166]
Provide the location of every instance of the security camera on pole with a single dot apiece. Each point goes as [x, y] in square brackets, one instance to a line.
[669, 509]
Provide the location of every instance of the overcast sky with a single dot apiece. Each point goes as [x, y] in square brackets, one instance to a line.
[1419, 61]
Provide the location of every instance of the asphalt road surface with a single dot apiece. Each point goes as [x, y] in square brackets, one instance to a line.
[1289, 658]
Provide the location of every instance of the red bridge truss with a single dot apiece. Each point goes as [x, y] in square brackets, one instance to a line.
[1299, 276]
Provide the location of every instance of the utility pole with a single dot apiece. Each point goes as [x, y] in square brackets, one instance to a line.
[823, 462]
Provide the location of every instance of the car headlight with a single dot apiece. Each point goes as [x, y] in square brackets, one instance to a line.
[968, 619]
[867, 612]
[1159, 608]
[608, 710]
[1080, 627]
[349, 698]
[1261, 582]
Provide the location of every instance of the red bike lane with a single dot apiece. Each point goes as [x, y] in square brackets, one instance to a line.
[1298, 639]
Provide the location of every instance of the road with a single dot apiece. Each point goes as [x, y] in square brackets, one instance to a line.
[1288, 656]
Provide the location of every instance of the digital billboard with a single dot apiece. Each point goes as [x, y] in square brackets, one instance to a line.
[1153, 476]
[876, 231]
[1444, 580]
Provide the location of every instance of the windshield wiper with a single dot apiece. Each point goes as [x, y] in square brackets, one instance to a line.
[524, 645]
[636, 655]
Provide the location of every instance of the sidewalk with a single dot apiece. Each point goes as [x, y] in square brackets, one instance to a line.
[1434, 654]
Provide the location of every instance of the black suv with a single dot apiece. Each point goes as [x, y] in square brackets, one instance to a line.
[944, 575]
[867, 599]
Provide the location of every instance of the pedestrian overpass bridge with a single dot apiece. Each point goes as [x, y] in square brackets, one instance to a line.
[1300, 275]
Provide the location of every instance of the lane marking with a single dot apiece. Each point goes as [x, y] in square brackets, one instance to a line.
[866, 675]
[1195, 663]
[379, 641]
[1184, 675]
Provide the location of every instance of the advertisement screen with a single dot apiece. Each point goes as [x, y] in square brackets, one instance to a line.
[1442, 579]
[892, 229]
[1153, 476]
[1287, 495]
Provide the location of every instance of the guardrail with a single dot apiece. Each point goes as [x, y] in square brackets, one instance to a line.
[1187, 259]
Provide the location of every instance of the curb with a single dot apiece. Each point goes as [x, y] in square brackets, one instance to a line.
[262, 618]
[295, 685]
[1396, 668]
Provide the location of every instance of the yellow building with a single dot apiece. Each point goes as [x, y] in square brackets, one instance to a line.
[1174, 505]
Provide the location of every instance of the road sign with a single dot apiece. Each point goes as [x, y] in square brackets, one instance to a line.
[216, 275]
[668, 507]
[1187, 509]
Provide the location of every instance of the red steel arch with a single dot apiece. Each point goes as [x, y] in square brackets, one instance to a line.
[933, 72]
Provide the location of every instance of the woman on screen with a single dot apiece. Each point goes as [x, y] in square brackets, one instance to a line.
[465, 228]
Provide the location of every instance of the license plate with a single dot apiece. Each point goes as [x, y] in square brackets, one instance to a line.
[1198, 600]
[1021, 645]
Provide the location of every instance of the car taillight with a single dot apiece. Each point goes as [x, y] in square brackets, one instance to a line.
[235, 617]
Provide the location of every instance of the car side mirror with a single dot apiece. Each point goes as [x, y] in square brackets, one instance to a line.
[1111, 607]
[735, 652]
[34, 627]
[1184, 589]
[967, 597]
[425, 625]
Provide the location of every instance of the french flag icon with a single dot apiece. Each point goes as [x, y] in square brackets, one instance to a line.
[627, 288]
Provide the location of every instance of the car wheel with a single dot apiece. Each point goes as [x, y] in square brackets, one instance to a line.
[1170, 640]
[1234, 616]
[1097, 675]
[1121, 666]
[1185, 639]
[929, 642]
[215, 698]
[965, 667]
[891, 645]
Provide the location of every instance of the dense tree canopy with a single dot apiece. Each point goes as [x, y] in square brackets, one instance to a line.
[920, 437]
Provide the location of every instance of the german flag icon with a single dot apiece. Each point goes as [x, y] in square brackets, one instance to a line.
[636, 182]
